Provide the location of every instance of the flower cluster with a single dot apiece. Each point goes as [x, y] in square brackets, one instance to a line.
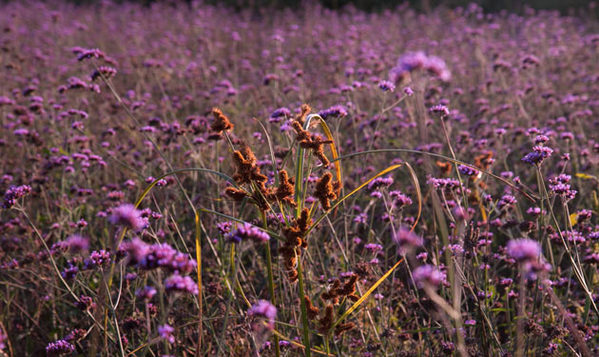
[128, 216]
[414, 61]
[13, 194]
[247, 232]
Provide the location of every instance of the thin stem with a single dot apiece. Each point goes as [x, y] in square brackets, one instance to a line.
[304, 309]
[271, 284]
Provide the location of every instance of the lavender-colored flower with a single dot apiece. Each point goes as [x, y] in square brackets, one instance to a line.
[427, 275]
[386, 86]
[399, 199]
[334, 111]
[413, 61]
[14, 193]
[380, 182]
[537, 155]
[69, 272]
[166, 332]
[127, 215]
[85, 303]
[58, 348]
[440, 110]
[373, 247]
[76, 243]
[247, 232]
[97, 258]
[279, 114]
[407, 240]
[467, 170]
[178, 283]
[506, 201]
[89, 53]
[136, 250]
[524, 250]
[103, 71]
[266, 310]
[146, 293]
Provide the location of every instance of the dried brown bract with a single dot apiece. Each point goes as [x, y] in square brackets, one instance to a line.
[339, 290]
[236, 193]
[325, 191]
[444, 167]
[304, 111]
[221, 122]
[326, 321]
[247, 169]
[285, 191]
[293, 240]
[484, 161]
[341, 328]
[313, 311]
[311, 141]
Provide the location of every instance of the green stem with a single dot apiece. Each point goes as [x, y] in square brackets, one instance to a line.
[304, 309]
[271, 284]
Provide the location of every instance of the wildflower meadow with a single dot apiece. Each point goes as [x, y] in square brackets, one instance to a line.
[189, 179]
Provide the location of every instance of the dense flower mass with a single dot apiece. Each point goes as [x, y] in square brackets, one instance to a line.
[436, 168]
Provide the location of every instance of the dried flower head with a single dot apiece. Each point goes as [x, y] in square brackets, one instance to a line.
[325, 192]
[221, 122]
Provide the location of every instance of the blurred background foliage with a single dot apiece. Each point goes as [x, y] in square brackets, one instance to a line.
[517, 6]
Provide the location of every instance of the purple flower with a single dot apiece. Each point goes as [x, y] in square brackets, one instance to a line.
[247, 232]
[266, 310]
[136, 250]
[413, 61]
[127, 215]
[178, 283]
[537, 155]
[406, 240]
[145, 293]
[380, 182]
[69, 272]
[13, 194]
[523, 250]
[427, 275]
[97, 258]
[386, 86]
[334, 111]
[467, 170]
[506, 201]
[279, 114]
[60, 347]
[85, 303]
[166, 332]
[76, 243]
[440, 110]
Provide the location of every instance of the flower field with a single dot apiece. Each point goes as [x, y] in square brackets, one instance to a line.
[183, 179]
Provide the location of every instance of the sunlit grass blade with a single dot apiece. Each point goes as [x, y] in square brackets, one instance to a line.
[333, 146]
